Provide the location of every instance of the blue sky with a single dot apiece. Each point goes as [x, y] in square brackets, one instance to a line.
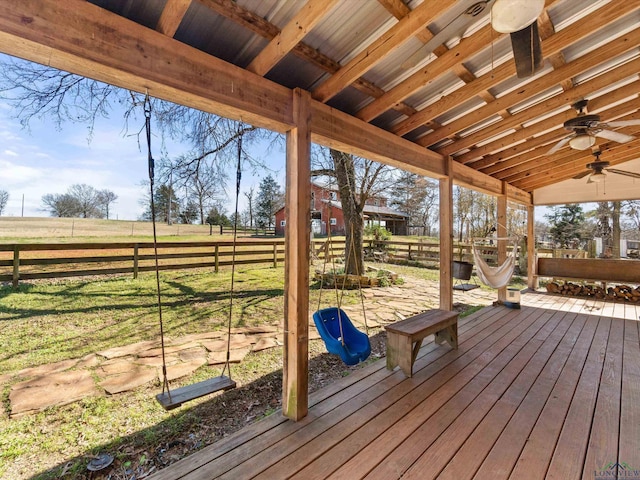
[43, 159]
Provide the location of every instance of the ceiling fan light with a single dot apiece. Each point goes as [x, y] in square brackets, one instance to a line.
[582, 142]
[597, 177]
[508, 16]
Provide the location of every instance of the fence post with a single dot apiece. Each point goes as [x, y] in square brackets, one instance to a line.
[217, 252]
[220, 229]
[16, 265]
[135, 261]
[275, 255]
[409, 253]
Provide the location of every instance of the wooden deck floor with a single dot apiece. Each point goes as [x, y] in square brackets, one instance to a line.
[548, 391]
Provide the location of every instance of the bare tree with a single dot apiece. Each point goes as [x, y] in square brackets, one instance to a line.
[358, 179]
[105, 199]
[4, 199]
[250, 206]
[631, 209]
[80, 200]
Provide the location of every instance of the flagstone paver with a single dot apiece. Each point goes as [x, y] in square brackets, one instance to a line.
[235, 356]
[131, 349]
[135, 376]
[53, 389]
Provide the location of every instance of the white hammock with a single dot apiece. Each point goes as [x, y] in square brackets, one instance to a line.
[496, 277]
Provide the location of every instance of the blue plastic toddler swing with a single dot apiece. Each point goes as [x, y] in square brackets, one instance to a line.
[340, 336]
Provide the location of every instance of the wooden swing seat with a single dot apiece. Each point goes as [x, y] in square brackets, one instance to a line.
[191, 392]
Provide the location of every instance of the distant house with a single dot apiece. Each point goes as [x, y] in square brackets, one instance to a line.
[326, 212]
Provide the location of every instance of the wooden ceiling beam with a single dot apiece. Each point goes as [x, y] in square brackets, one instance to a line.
[554, 44]
[516, 164]
[388, 42]
[540, 161]
[291, 34]
[562, 99]
[171, 16]
[429, 73]
[82, 38]
[336, 129]
[504, 147]
[625, 153]
[602, 54]
[249, 20]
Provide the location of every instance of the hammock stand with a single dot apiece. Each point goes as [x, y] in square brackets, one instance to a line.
[169, 399]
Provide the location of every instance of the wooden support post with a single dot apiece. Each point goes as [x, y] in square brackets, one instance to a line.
[217, 258]
[446, 239]
[532, 274]
[275, 255]
[135, 261]
[16, 266]
[295, 382]
[502, 232]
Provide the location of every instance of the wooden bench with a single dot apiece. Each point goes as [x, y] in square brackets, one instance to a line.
[404, 338]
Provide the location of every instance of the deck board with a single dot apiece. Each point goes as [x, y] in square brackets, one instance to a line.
[548, 391]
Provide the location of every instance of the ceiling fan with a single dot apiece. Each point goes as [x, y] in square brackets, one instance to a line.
[516, 17]
[587, 127]
[596, 170]
[519, 19]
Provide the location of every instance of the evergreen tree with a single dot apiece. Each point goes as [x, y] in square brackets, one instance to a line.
[567, 222]
[269, 200]
[161, 196]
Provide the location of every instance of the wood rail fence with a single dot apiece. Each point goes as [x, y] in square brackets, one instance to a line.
[58, 260]
[32, 261]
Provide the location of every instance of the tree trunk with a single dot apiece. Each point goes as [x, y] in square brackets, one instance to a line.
[615, 220]
[351, 210]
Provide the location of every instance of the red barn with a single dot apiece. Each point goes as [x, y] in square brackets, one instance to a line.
[326, 211]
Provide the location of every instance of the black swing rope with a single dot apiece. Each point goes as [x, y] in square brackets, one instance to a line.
[233, 255]
[151, 164]
[165, 382]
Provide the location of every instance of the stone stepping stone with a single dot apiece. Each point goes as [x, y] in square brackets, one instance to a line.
[136, 376]
[194, 337]
[192, 354]
[156, 352]
[237, 341]
[171, 359]
[48, 368]
[258, 329]
[88, 361]
[115, 367]
[126, 350]
[183, 369]
[54, 389]
[265, 343]
[235, 356]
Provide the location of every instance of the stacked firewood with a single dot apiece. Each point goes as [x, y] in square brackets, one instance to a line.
[618, 292]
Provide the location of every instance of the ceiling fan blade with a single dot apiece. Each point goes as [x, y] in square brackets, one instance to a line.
[560, 144]
[624, 172]
[527, 51]
[589, 179]
[621, 123]
[614, 136]
[582, 175]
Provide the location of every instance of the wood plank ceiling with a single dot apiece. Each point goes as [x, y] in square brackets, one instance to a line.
[386, 63]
